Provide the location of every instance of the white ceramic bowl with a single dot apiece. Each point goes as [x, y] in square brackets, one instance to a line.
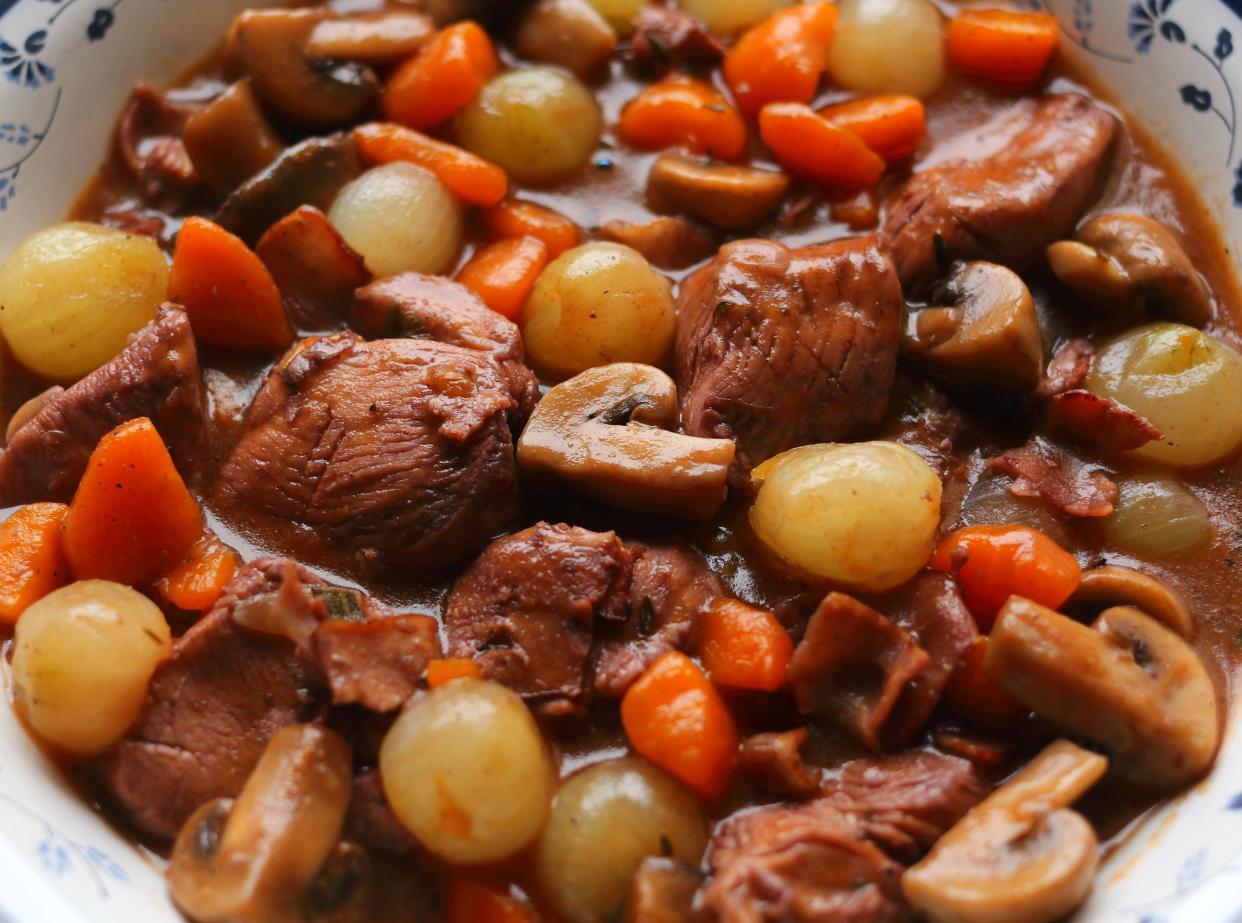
[66, 67]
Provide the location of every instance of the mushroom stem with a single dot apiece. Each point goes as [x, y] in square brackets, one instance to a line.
[1021, 856]
[604, 433]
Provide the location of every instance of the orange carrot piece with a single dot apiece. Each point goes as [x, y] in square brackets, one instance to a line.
[744, 647]
[892, 126]
[782, 58]
[227, 292]
[32, 560]
[473, 900]
[504, 273]
[443, 78]
[804, 142]
[197, 582]
[681, 110]
[515, 218]
[1007, 47]
[972, 690]
[132, 519]
[993, 563]
[674, 717]
[471, 178]
[440, 672]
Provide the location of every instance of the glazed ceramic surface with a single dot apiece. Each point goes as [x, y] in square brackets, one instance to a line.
[66, 66]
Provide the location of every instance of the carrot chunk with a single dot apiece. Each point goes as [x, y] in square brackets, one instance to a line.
[892, 126]
[1002, 45]
[504, 273]
[473, 900]
[684, 111]
[744, 647]
[674, 717]
[197, 582]
[471, 178]
[515, 218]
[32, 560]
[227, 292]
[132, 519]
[804, 142]
[994, 562]
[443, 78]
[440, 672]
[782, 58]
[971, 689]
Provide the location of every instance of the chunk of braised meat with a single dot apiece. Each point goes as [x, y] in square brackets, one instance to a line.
[376, 662]
[526, 610]
[1006, 205]
[148, 142]
[663, 891]
[907, 801]
[1064, 481]
[1100, 421]
[931, 610]
[857, 668]
[310, 173]
[777, 348]
[774, 760]
[316, 271]
[415, 305]
[371, 822]
[665, 39]
[667, 242]
[396, 450]
[157, 376]
[803, 864]
[211, 708]
[670, 587]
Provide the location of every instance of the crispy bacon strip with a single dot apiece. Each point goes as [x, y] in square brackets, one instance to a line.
[1101, 421]
[1068, 368]
[1072, 486]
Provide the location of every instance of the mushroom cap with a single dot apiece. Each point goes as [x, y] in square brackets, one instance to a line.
[1103, 587]
[988, 335]
[1021, 856]
[1132, 265]
[602, 433]
[723, 195]
[1126, 683]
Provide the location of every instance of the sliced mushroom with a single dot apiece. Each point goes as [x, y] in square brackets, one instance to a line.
[273, 46]
[666, 242]
[603, 432]
[230, 140]
[310, 173]
[1021, 856]
[273, 855]
[1135, 266]
[568, 33]
[723, 195]
[1104, 587]
[384, 37]
[1126, 683]
[989, 334]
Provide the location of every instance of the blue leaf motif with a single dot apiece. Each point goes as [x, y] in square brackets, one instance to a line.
[1235, 803]
[1173, 32]
[54, 856]
[105, 863]
[1224, 45]
[1196, 98]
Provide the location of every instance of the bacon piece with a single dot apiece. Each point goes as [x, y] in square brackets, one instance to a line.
[775, 761]
[664, 39]
[1101, 421]
[1073, 486]
[1068, 368]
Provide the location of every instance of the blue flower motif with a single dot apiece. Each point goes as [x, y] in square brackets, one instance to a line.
[8, 188]
[1196, 98]
[1191, 872]
[101, 22]
[1147, 19]
[19, 135]
[55, 857]
[1235, 803]
[22, 65]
